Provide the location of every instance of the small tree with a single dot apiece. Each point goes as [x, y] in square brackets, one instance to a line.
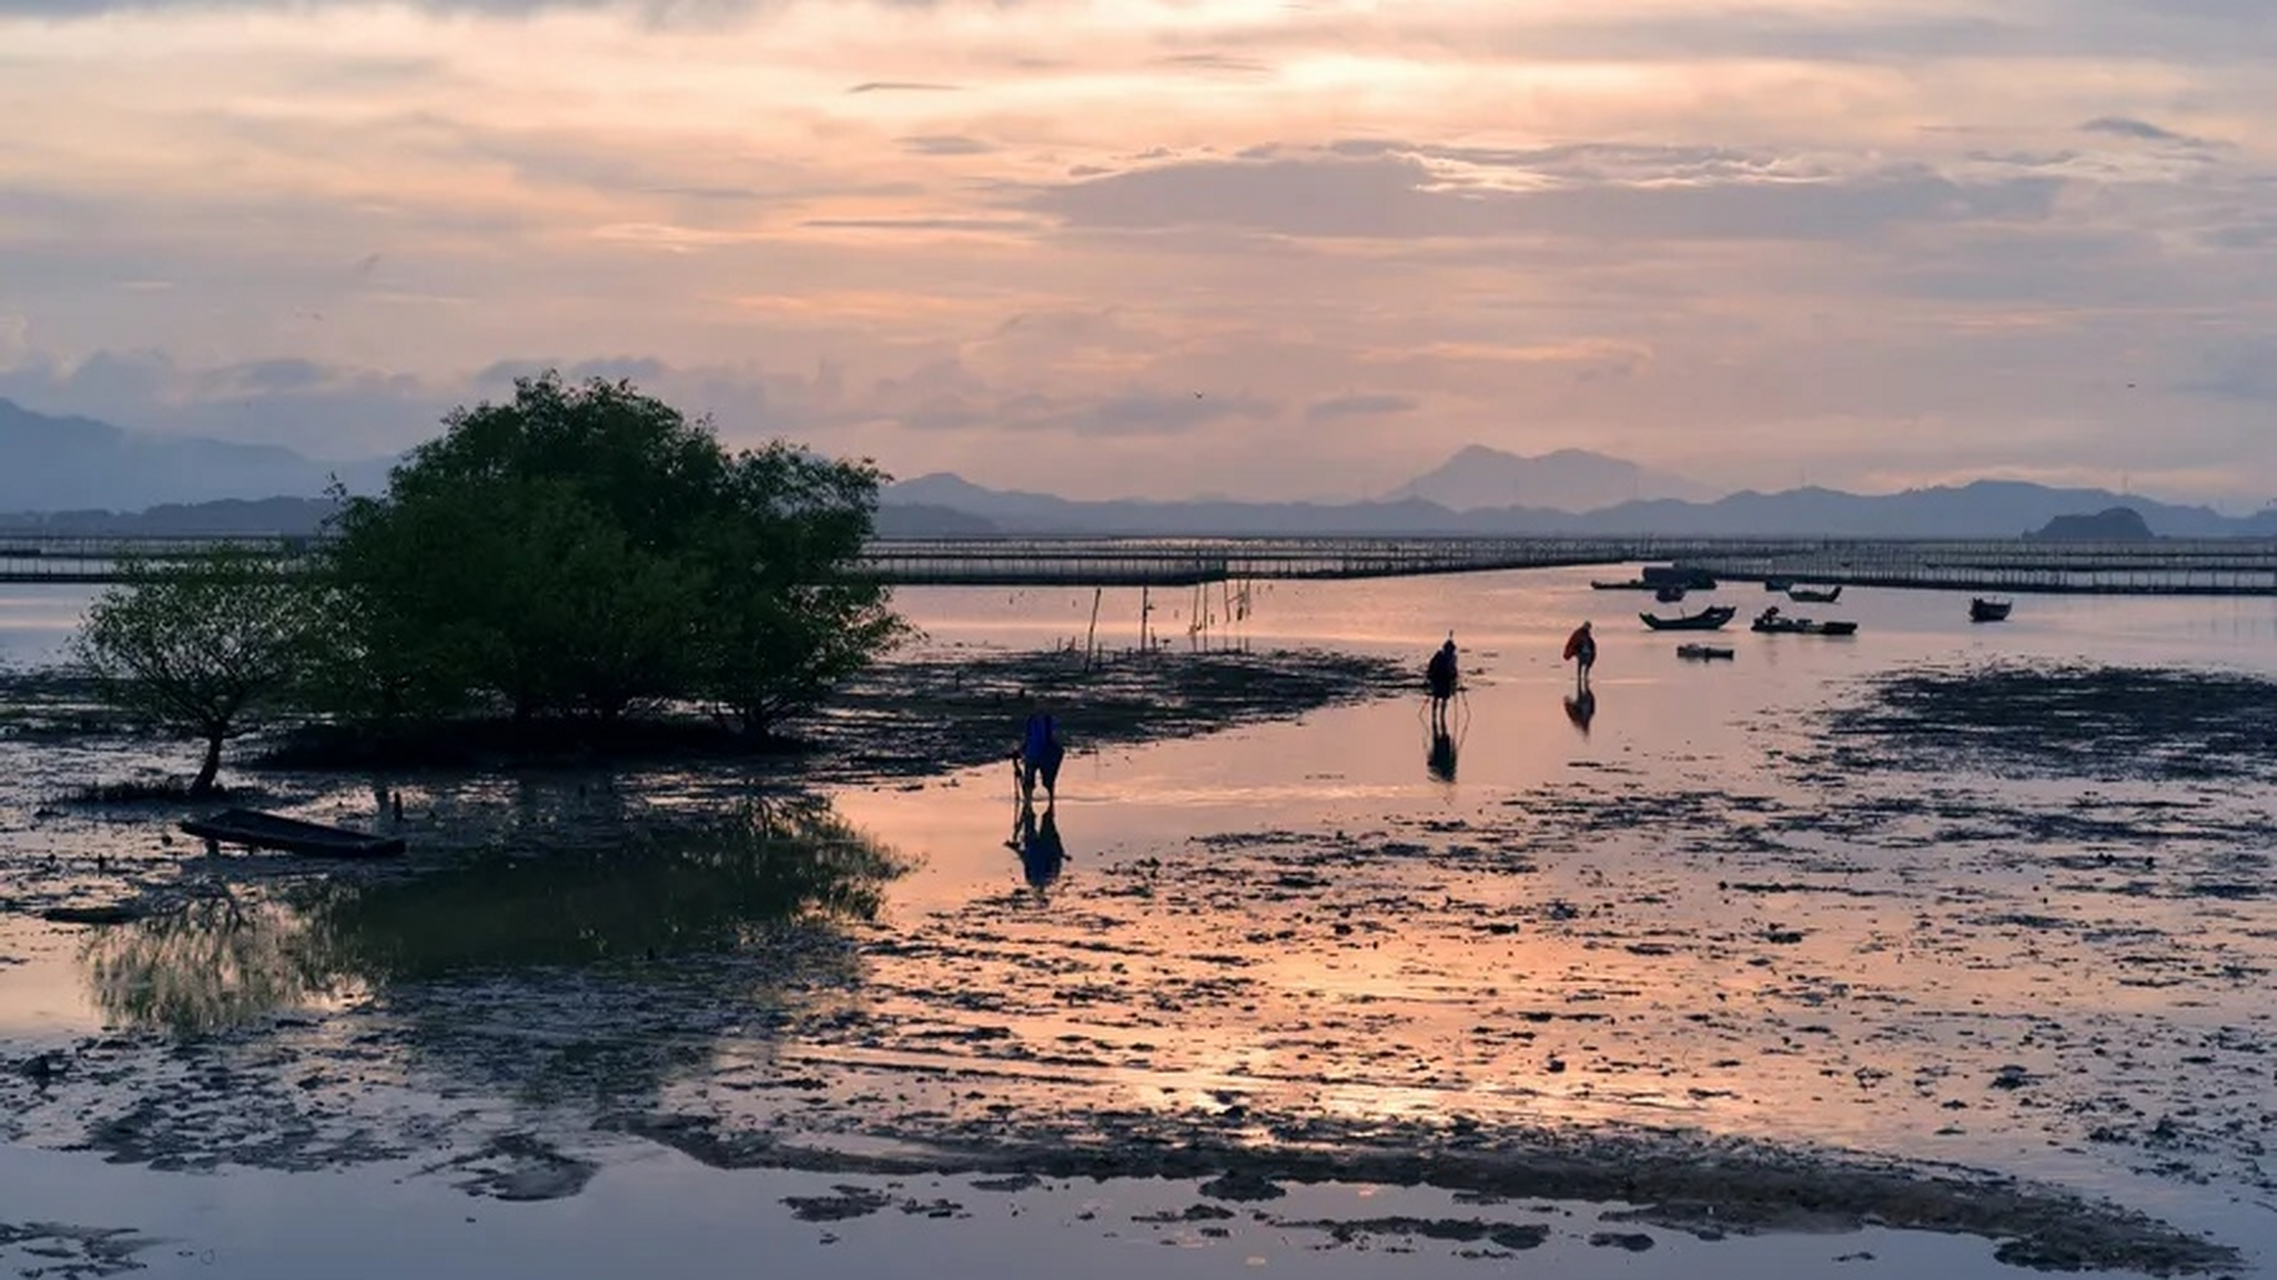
[200, 646]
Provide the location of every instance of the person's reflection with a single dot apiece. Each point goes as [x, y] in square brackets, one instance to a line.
[1441, 761]
[1581, 708]
[1036, 839]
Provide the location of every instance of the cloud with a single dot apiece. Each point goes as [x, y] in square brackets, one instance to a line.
[1013, 238]
[979, 225]
[945, 145]
[2126, 127]
[2245, 372]
[1151, 413]
[283, 376]
[2144, 131]
[1402, 197]
[1375, 405]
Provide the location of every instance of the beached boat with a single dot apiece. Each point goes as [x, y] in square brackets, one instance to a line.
[1708, 619]
[1625, 584]
[1984, 609]
[1703, 651]
[258, 830]
[1774, 623]
[1815, 595]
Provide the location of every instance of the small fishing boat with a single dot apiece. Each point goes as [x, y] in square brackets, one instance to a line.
[1815, 595]
[1708, 619]
[1626, 584]
[1772, 622]
[1703, 651]
[1986, 609]
[257, 830]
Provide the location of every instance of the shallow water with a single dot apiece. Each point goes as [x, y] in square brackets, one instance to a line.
[1677, 915]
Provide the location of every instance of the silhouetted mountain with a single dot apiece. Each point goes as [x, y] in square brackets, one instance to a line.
[922, 520]
[64, 464]
[1984, 509]
[1479, 478]
[291, 516]
[2117, 524]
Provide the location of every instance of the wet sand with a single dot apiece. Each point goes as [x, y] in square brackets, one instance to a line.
[1817, 1000]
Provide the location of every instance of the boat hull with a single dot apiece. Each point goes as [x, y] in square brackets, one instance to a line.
[255, 829]
[1708, 619]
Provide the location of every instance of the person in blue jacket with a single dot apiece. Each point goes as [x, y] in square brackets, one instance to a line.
[1039, 758]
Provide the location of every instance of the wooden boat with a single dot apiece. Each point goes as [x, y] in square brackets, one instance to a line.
[1703, 651]
[1708, 619]
[1627, 584]
[258, 830]
[1772, 622]
[1670, 594]
[1815, 595]
[1985, 609]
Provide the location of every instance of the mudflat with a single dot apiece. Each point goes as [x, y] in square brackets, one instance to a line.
[1857, 985]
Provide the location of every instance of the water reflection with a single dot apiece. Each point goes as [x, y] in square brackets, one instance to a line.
[1036, 837]
[1440, 761]
[711, 886]
[1581, 708]
[218, 962]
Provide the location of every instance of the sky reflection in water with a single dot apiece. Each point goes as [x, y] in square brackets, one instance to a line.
[1501, 935]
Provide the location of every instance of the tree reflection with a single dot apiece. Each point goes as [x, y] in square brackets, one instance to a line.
[711, 886]
[704, 888]
[218, 962]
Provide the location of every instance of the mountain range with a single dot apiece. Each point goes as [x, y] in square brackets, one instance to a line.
[64, 464]
[1982, 509]
[1478, 478]
[78, 472]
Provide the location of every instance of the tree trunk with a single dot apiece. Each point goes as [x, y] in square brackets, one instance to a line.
[203, 786]
[755, 721]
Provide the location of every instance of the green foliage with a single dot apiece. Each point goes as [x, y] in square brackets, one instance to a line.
[201, 647]
[583, 549]
[786, 622]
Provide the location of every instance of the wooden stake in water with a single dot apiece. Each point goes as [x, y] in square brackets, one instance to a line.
[1091, 636]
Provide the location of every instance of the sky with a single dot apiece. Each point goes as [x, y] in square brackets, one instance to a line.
[1269, 248]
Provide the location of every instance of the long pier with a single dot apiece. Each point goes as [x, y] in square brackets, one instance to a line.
[1178, 562]
[2214, 566]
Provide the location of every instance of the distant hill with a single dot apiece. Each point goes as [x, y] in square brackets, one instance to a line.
[2113, 524]
[290, 516]
[920, 520]
[1480, 478]
[67, 464]
[1984, 509]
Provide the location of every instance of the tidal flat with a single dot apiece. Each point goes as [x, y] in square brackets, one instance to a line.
[1755, 971]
